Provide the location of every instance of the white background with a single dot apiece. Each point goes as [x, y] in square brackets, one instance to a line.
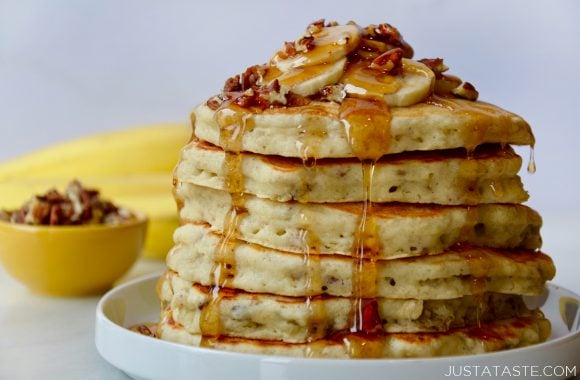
[69, 68]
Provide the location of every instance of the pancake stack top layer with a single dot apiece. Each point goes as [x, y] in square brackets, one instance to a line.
[344, 200]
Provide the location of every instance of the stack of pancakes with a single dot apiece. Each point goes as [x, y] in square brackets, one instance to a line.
[344, 200]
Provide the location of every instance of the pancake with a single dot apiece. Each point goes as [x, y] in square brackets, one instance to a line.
[297, 320]
[330, 228]
[346, 201]
[443, 276]
[489, 175]
[447, 124]
[488, 337]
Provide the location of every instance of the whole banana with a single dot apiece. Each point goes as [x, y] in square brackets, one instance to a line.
[145, 149]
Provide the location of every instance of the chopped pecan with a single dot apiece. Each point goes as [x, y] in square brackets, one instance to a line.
[305, 44]
[274, 86]
[38, 211]
[246, 99]
[294, 100]
[388, 32]
[288, 50]
[390, 35]
[76, 205]
[252, 76]
[233, 84]
[315, 27]
[333, 93]
[52, 196]
[389, 62]
[250, 92]
[215, 102]
[446, 83]
[55, 215]
[246, 80]
[466, 91]
[436, 65]
[271, 95]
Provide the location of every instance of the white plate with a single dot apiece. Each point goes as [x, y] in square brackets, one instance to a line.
[142, 357]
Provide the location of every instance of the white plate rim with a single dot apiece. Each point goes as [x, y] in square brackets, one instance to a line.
[105, 326]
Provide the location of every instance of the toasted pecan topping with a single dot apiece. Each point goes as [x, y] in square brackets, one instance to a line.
[390, 35]
[380, 47]
[389, 62]
[215, 102]
[252, 76]
[247, 90]
[233, 84]
[315, 27]
[466, 91]
[294, 100]
[436, 65]
[305, 44]
[333, 93]
[289, 50]
[246, 80]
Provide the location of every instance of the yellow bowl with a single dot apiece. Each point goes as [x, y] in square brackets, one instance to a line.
[70, 260]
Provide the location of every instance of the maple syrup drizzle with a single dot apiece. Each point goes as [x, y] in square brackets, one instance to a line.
[468, 179]
[367, 124]
[481, 114]
[477, 269]
[369, 82]
[307, 144]
[233, 122]
[472, 217]
[482, 117]
[314, 285]
[478, 285]
[531, 161]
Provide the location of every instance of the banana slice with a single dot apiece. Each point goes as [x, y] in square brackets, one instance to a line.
[413, 86]
[330, 44]
[308, 80]
[418, 83]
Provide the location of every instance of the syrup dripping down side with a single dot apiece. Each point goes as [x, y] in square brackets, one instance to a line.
[233, 122]
[367, 123]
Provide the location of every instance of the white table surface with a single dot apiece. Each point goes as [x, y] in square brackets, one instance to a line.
[53, 338]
